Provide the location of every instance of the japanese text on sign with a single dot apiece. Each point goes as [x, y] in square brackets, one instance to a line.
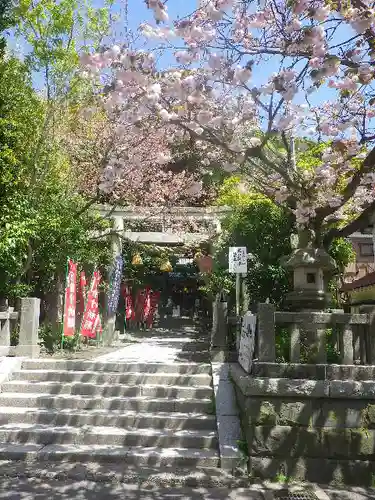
[237, 260]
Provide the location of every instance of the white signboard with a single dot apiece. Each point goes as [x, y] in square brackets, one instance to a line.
[247, 341]
[237, 260]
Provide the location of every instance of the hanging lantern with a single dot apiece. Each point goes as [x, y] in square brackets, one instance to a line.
[166, 266]
[137, 260]
[198, 256]
[205, 263]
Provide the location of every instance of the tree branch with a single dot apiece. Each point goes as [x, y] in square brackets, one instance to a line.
[362, 221]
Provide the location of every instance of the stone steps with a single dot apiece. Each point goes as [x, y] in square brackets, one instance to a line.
[106, 436]
[116, 367]
[77, 402]
[131, 378]
[107, 390]
[114, 418]
[161, 457]
[141, 414]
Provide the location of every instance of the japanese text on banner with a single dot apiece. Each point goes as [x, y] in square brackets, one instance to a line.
[91, 320]
[70, 300]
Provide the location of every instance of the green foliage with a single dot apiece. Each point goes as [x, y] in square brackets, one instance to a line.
[342, 251]
[310, 156]
[230, 195]
[6, 20]
[21, 115]
[264, 229]
[50, 339]
[55, 33]
[42, 218]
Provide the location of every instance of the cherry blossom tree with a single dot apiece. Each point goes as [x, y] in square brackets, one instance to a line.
[115, 162]
[247, 82]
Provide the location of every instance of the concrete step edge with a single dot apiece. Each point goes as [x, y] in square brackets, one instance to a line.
[29, 395]
[118, 413]
[103, 430]
[46, 452]
[46, 383]
[82, 364]
[118, 374]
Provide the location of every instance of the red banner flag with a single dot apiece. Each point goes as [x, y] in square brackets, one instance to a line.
[91, 320]
[147, 304]
[82, 292]
[129, 308]
[70, 300]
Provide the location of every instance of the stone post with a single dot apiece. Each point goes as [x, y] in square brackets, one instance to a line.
[321, 345]
[116, 243]
[29, 328]
[4, 333]
[295, 343]
[219, 333]
[346, 347]
[369, 309]
[266, 333]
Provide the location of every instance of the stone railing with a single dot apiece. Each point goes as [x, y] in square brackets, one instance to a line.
[28, 321]
[353, 335]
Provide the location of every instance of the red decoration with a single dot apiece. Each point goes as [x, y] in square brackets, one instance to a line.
[70, 300]
[91, 323]
[82, 292]
[205, 264]
[129, 307]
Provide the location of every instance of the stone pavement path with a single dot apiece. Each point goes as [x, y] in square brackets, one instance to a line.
[44, 489]
[180, 342]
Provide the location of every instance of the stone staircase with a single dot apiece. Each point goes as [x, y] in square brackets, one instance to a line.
[139, 414]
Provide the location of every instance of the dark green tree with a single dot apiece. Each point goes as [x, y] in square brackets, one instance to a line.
[6, 20]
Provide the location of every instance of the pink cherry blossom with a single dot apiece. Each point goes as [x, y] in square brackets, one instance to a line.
[241, 75]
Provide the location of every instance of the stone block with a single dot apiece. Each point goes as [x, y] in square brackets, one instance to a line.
[338, 414]
[336, 442]
[29, 324]
[283, 441]
[259, 412]
[289, 370]
[362, 443]
[352, 389]
[225, 398]
[295, 413]
[229, 431]
[368, 416]
[220, 371]
[266, 332]
[350, 372]
[281, 387]
[316, 470]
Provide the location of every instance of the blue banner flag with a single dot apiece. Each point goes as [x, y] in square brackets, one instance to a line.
[115, 285]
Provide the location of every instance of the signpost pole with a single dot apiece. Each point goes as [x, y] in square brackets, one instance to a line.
[238, 294]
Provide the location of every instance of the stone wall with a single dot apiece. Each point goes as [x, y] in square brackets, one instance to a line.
[318, 429]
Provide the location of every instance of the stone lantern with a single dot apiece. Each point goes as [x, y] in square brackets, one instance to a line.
[311, 267]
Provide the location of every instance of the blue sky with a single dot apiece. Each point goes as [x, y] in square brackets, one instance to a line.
[138, 13]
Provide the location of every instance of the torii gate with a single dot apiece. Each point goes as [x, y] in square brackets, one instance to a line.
[208, 217]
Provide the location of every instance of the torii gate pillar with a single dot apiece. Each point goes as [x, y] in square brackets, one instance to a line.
[116, 246]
